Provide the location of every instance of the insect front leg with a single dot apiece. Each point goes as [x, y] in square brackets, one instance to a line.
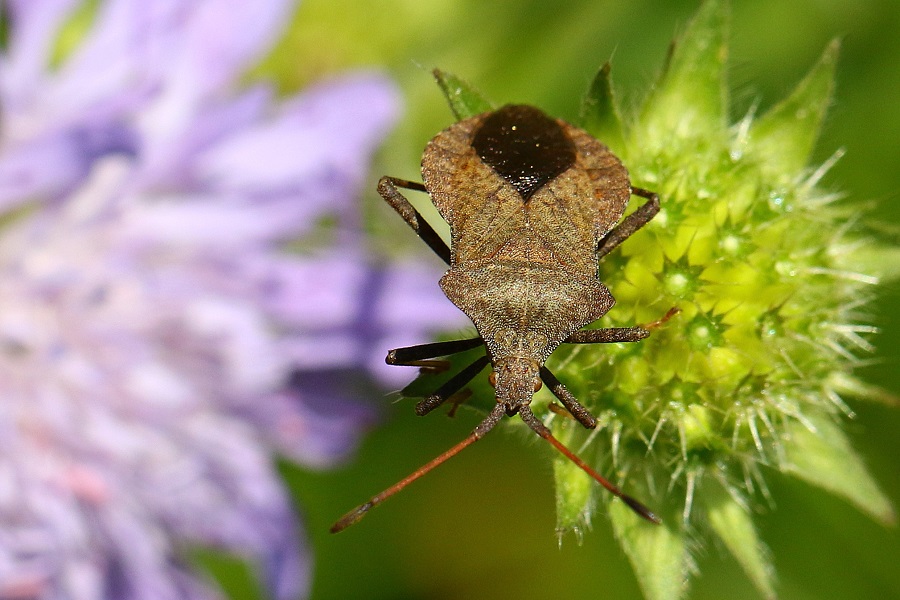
[387, 187]
[609, 335]
[575, 408]
[631, 223]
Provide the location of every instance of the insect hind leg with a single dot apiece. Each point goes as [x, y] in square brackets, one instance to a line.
[423, 355]
[451, 386]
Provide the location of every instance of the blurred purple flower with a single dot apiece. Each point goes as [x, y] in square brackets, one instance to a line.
[156, 344]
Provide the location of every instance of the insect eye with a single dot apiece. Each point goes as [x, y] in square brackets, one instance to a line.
[492, 379]
[537, 384]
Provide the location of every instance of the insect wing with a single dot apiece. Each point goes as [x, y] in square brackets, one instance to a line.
[571, 212]
[575, 210]
[483, 211]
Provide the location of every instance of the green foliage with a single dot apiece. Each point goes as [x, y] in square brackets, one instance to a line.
[464, 100]
[769, 278]
[599, 112]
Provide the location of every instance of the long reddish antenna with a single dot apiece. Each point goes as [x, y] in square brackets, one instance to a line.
[355, 515]
[541, 430]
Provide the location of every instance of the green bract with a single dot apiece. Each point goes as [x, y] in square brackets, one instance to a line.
[769, 275]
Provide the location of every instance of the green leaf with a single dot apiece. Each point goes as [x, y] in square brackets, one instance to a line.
[73, 31]
[783, 138]
[600, 113]
[826, 459]
[574, 488]
[574, 496]
[734, 526]
[845, 384]
[657, 553]
[879, 260]
[465, 101]
[690, 98]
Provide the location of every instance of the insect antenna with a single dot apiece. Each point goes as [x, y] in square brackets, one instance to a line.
[544, 432]
[355, 515]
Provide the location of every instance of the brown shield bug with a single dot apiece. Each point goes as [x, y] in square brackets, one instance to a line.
[532, 203]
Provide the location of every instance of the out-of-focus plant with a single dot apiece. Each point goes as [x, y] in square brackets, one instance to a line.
[159, 343]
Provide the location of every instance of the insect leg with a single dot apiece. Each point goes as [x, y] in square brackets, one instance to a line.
[581, 414]
[631, 223]
[610, 335]
[387, 187]
[362, 510]
[541, 429]
[451, 386]
[410, 355]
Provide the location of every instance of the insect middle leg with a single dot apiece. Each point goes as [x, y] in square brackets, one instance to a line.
[614, 335]
[631, 223]
[387, 187]
[610, 335]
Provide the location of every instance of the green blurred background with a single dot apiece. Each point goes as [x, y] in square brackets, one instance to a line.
[483, 525]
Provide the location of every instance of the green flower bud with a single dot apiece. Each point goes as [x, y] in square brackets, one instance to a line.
[769, 316]
[767, 276]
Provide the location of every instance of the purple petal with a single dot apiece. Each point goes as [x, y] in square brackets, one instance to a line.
[352, 314]
[318, 293]
[173, 166]
[221, 38]
[153, 322]
[320, 137]
[23, 67]
[315, 422]
[24, 175]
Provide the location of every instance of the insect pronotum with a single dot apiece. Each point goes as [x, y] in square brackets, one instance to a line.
[533, 203]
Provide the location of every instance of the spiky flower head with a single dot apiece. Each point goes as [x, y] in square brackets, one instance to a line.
[770, 274]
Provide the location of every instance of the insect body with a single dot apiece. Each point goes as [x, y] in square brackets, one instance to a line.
[532, 203]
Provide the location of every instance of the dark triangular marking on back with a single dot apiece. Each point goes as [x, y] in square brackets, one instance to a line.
[525, 147]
